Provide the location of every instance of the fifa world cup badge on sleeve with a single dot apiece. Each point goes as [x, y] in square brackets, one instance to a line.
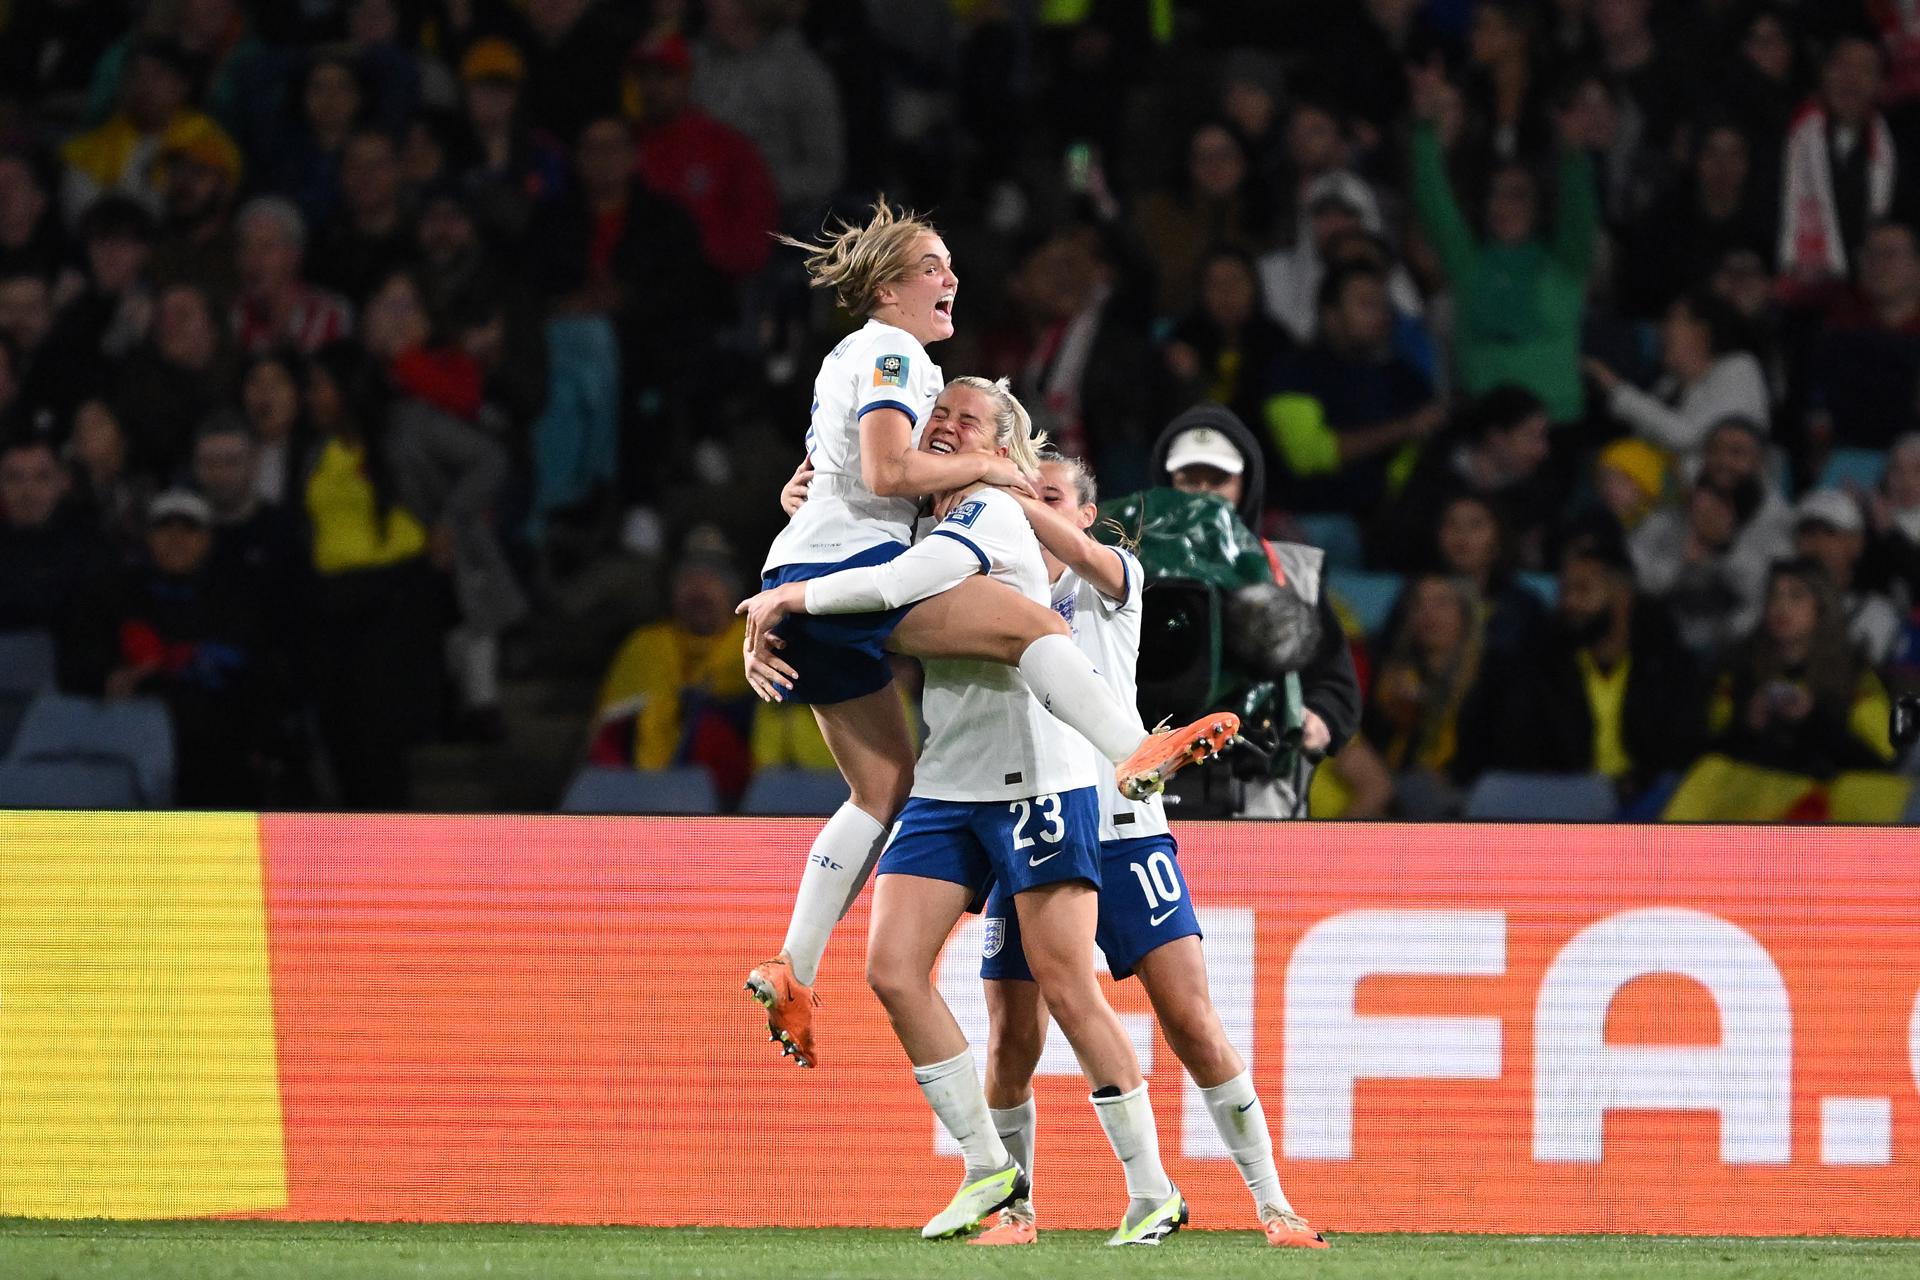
[890, 371]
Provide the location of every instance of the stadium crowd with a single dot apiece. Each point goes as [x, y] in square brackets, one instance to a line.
[1583, 334]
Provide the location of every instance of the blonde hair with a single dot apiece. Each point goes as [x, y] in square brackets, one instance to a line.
[854, 261]
[1012, 428]
[1085, 490]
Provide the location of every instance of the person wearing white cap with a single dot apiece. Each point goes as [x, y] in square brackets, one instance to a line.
[1830, 529]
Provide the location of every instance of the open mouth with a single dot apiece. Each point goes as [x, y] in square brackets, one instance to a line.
[945, 306]
[939, 446]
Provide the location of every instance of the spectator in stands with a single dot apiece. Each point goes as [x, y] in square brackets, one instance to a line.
[1831, 531]
[215, 36]
[1519, 297]
[1611, 691]
[1865, 372]
[1630, 479]
[194, 640]
[714, 171]
[199, 179]
[1794, 695]
[1841, 167]
[512, 168]
[170, 384]
[257, 545]
[30, 240]
[26, 321]
[271, 396]
[373, 237]
[300, 160]
[1676, 244]
[373, 630]
[1091, 378]
[106, 492]
[1470, 543]
[276, 305]
[1708, 558]
[1346, 410]
[1427, 716]
[55, 568]
[1495, 450]
[1214, 200]
[675, 694]
[1707, 377]
[1293, 276]
[1893, 516]
[153, 117]
[1227, 348]
[104, 310]
[753, 72]
[574, 61]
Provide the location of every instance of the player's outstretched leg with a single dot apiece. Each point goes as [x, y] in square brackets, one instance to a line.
[1162, 755]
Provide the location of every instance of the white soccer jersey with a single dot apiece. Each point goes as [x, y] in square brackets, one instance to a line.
[987, 737]
[1108, 632]
[875, 367]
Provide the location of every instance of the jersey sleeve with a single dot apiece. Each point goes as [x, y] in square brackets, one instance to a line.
[890, 376]
[989, 524]
[1135, 584]
[933, 565]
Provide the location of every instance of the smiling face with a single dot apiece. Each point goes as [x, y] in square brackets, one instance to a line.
[921, 301]
[1058, 490]
[961, 422]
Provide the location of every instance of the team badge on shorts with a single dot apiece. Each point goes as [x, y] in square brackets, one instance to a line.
[890, 371]
[996, 938]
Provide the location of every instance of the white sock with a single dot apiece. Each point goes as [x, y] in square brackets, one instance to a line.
[953, 1091]
[1128, 1120]
[842, 856]
[1068, 687]
[1015, 1126]
[1242, 1123]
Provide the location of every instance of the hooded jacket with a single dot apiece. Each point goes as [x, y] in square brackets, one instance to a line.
[1328, 685]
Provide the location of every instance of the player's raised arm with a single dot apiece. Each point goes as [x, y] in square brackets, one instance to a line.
[893, 468]
[1095, 562]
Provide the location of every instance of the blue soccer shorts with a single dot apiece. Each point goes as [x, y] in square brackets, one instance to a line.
[1144, 904]
[1024, 844]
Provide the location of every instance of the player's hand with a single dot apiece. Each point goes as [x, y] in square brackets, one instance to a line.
[768, 610]
[767, 673]
[1005, 473]
[795, 493]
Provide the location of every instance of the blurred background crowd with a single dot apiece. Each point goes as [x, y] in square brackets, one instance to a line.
[400, 391]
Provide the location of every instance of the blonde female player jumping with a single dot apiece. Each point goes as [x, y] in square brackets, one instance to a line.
[1147, 923]
[871, 397]
[1002, 794]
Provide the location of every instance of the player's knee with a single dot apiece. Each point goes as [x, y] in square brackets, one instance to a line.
[881, 793]
[1196, 1037]
[890, 979]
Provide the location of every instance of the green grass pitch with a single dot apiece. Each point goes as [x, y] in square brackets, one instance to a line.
[335, 1251]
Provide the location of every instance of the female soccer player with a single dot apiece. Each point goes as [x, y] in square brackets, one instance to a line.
[1147, 924]
[1003, 793]
[871, 396]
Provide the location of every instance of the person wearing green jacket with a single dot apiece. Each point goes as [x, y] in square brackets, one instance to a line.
[1518, 295]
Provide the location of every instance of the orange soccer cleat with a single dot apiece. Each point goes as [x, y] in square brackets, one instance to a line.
[1162, 755]
[1288, 1230]
[1016, 1226]
[789, 1004]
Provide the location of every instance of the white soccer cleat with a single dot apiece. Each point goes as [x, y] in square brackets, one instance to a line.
[975, 1201]
[1148, 1222]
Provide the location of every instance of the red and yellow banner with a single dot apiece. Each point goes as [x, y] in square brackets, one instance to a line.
[540, 1019]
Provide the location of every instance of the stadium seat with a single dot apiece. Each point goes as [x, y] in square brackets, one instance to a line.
[1541, 797]
[1371, 596]
[1860, 468]
[68, 784]
[599, 789]
[136, 734]
[1336, 534]
[795, 791]
[26, 662]
[1543, 585]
